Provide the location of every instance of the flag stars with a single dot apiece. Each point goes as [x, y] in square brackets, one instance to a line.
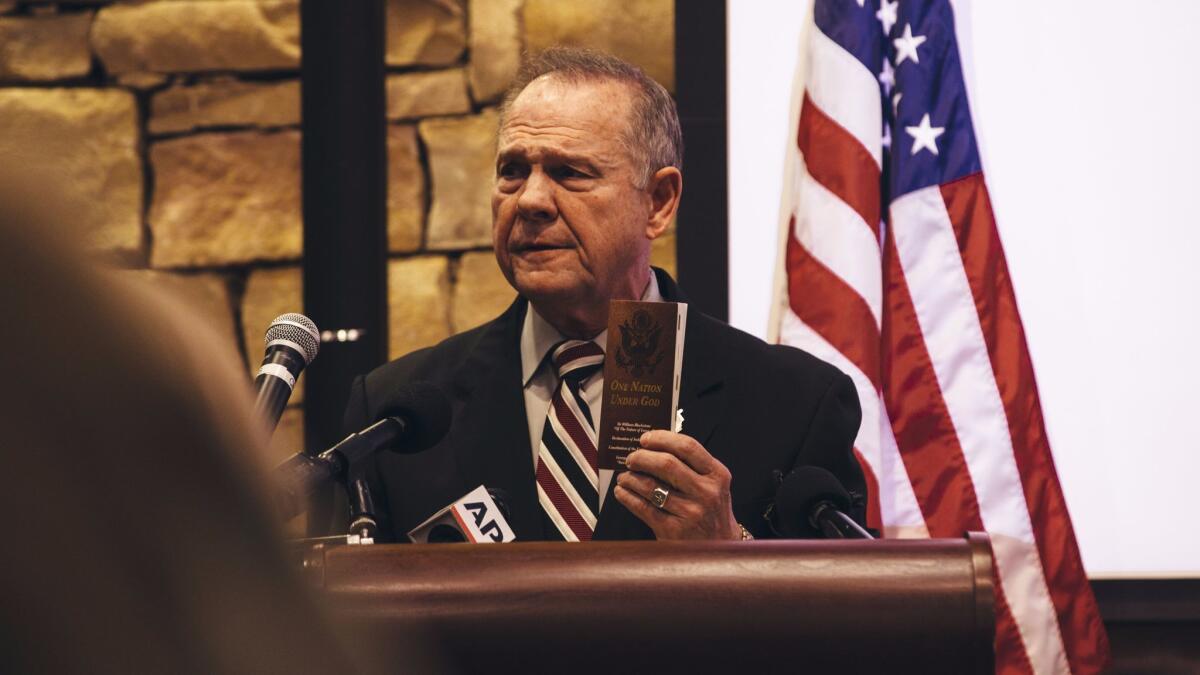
[887, 15]
[887, 77]
[906, 46]
[925, 136]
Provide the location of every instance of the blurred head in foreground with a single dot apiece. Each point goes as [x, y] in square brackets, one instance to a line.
[137, 539]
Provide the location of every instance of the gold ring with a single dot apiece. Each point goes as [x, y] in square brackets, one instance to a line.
[659, 497]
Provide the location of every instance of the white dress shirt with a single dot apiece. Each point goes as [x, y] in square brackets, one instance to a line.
[539, 379]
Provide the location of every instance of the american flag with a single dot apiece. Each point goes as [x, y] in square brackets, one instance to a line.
[892, 269]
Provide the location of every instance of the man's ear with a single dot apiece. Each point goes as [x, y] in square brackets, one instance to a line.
[665, 188]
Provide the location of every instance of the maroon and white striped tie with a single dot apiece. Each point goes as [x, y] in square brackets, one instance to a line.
[566, 470]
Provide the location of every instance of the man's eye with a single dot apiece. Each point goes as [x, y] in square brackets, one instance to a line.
[511, 170]
[563, 172]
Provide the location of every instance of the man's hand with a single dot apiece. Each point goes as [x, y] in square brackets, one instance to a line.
[699, 505]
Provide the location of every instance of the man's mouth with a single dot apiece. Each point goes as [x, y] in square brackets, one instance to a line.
[537, 247]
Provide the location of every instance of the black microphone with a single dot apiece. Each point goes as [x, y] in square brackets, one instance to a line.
[292, 342]
[812, 501]
[414, 418]
[480, 516]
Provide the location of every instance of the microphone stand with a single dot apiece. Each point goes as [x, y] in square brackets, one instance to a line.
[362, 509]
[363, 528]
[837, 525]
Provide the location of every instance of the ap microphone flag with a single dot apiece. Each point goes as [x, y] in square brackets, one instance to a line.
[475, 517]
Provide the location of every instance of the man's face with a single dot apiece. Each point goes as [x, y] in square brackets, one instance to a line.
[569, 224]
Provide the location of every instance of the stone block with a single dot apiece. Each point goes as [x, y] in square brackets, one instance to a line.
[269, 293]
[406, 190]
[462, 154]
[142, 81]
[481, 292]
[223, 199]
[87, 139]
[438, 92]
[45, 47]
[198, 35]
[418, 303]
[206, 295]
[425, 32]
[225, 102]
[639, 31]
[495, 41]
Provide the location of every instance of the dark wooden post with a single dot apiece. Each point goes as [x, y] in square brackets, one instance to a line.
[344, 161]
[703, 237]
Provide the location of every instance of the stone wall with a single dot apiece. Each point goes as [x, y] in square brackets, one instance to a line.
[178, 123]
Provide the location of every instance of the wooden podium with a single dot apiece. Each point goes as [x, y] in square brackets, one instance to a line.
[887, 606]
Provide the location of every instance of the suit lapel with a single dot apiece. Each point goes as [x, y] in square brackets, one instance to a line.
[492, 446]
[701, 397]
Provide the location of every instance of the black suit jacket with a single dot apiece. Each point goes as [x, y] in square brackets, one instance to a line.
[760, 409]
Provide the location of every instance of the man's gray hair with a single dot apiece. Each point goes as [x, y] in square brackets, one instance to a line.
[654, 139]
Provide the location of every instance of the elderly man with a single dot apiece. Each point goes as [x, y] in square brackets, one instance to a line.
[587, 175]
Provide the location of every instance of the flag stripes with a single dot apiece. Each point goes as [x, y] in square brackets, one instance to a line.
[838, 162]
[822, 300]
[833, 70]
[969, 207]
[949, 326]
[841, 241]
[918, 308]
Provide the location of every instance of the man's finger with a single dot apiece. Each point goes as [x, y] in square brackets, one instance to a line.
[667, 468]
[653, 517]
[678, 504]
[686, 448]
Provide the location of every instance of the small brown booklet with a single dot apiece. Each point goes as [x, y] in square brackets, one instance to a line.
[641, 375]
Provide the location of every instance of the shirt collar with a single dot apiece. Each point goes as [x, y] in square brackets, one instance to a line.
[538, 336]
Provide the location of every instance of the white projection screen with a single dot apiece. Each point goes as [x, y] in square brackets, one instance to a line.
[1089, 122]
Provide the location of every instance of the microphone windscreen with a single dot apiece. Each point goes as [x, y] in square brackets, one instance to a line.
[297, 329]
[500, 496]
[802, 490]
[426, 411]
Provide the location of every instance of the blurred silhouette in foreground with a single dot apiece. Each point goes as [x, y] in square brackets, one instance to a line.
[138, 538]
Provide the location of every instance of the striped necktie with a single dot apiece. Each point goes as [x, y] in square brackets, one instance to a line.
[566, 469]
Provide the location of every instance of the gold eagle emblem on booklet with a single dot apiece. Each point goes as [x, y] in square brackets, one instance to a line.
[638, 353]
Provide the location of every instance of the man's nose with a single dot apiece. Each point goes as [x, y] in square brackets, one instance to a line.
[536, 201]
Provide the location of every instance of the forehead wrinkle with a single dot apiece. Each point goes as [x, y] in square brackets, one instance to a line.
[563, 136]
[537, 123]
[601, 107]
[542, 126]
[558, 146]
